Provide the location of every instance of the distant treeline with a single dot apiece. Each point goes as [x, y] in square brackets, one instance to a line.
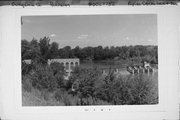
[42, 50]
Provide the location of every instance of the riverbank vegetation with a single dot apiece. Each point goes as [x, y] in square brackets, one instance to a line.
[43, 50]
[85, 87]
[44, 85]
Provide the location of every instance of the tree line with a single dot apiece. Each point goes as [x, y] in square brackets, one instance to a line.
[42, 50]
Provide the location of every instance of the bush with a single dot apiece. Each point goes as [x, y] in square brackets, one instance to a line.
[58, 95]
[92, 88]
[67, 99]
[43, 78]
[26, 84]
[137, 90]
[26, 68]
[57, 68]
[144, 90]
[48, 77]
[59, 73]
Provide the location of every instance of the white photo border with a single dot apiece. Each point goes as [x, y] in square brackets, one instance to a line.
[167, 86]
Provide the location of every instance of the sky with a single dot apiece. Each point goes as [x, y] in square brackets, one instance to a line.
[92, 30]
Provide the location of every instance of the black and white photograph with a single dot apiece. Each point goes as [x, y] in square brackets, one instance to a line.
[85, 60]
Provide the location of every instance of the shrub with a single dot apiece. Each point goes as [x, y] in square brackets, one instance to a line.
[63, 96]
[86, 82]
[48, 77]
[121, 92]
[43, 78]
[26, 68]
[144, 90]
[138, 89]
[57, 68]
[26, 84]
[135, 90]
[92, 88]
[59, 73]
[58, 95]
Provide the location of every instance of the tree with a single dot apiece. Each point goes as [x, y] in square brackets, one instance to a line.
[124, 54]
[43, 78]
[107, 52]
[44, 49]
[134, 52]
[113, 52]
[59, 73]
[105, 91]
[66, 52]
[89, 52]
[98, 53]
[35, 51]
[86, 79]
[77, 52]
[54, 50]
[25, 50]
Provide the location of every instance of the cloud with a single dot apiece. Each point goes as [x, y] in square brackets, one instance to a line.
[52, 35]
[127, 38]
[150, 40]
[83, 36]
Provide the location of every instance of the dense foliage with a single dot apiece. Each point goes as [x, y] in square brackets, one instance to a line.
[90, 87]
[43, 50]
[86, 86]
